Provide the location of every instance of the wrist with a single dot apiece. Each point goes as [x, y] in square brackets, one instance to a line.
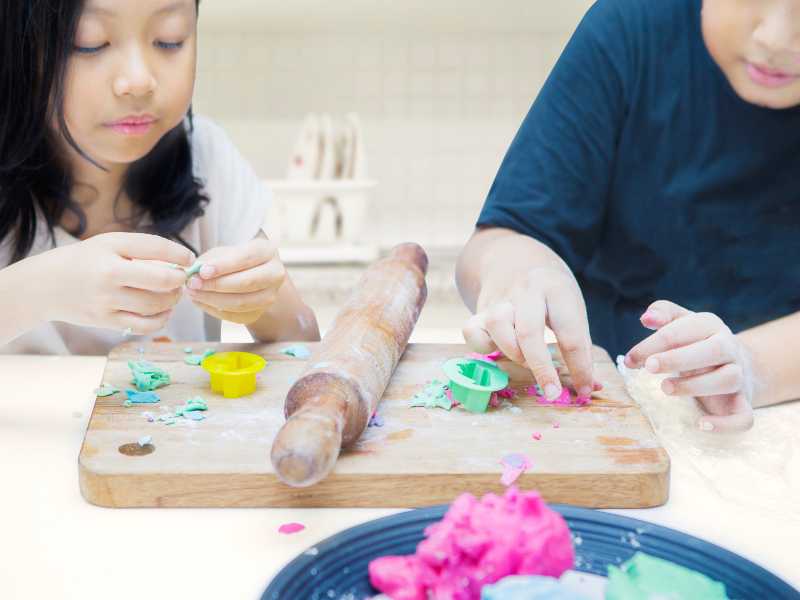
[23, 284]
[756, 379]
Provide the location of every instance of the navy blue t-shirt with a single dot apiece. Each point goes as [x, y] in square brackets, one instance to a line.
[640, 166]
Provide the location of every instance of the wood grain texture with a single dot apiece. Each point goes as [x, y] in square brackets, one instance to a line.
[604, 455]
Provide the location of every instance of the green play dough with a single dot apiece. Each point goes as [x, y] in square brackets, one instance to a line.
[192, 404]
[194, 269]
[645, 577]
[433, 396]
[197, 359]
[147, 376]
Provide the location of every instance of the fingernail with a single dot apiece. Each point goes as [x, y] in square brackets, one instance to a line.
[706, 426]
[195, 283]
[597, 386]
[652, 365]
[628, 361]
[552, 391]
[208, 271]
[667, 386]
[585, 391]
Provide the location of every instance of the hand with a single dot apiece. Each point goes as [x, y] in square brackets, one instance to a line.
[513, 321]
[238, 283]
[709, 361]
[114, 280]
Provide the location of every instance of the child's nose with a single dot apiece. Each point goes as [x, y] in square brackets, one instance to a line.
[135, 78]
[779, 29]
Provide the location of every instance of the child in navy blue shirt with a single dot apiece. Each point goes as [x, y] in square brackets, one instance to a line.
[655, 182]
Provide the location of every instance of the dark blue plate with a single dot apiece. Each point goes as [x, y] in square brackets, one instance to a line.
[336, 568]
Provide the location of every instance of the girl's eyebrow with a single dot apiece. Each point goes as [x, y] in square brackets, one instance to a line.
[169, 8]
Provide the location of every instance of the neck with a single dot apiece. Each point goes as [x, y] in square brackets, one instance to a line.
[98, 192]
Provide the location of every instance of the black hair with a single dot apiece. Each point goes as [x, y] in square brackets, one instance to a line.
[36, 41]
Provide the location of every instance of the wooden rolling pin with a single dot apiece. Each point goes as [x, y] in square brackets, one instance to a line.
[331, 403]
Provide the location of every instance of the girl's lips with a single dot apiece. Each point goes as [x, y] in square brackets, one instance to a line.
[137, 125]
[769, 77]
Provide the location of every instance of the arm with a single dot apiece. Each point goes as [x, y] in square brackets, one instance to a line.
[545, 212]
[20, 314]
[288, 319]
[493, 259]
[772, 349]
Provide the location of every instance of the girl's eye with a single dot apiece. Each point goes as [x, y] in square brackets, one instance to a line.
[169, 45]
[90, 49]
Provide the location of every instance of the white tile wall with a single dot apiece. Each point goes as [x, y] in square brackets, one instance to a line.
[438, 109]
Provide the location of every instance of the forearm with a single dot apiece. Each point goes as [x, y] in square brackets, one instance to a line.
[21, 300]
[288, 319]
[773, 349]
[494, 259]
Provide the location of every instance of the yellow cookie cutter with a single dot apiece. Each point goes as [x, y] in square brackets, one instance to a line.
[233, 374]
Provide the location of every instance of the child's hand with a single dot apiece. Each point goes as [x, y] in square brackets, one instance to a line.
[112, 281]
[711, 363]
[514, 323]
[238, 283]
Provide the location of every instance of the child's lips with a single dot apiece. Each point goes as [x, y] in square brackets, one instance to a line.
[132, 125]
[768, 77]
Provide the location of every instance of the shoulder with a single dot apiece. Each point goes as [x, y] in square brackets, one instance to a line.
[644, 15]
[211, 145]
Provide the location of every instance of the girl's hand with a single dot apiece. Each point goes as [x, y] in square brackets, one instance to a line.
[514, 323]
[238, 283]
[710, 362]
[114, 280]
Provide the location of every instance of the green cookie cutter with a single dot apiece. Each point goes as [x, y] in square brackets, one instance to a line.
[473, 382]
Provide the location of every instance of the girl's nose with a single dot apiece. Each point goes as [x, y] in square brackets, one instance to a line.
[135, 78]
[779, 30]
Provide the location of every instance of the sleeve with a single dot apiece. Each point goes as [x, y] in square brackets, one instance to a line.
[238, 198]
[554, 181]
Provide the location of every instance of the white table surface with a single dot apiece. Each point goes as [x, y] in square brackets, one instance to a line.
[55, 545]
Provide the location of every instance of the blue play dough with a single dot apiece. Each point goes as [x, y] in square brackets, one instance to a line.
[135, 397]
[531, 587]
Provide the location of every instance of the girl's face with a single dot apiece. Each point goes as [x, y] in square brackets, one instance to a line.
[756, 43]
[131, 76]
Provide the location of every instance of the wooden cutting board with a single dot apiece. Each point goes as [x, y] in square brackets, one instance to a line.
[603, 455]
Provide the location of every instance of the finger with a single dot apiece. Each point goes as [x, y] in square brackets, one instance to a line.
[529, 325]
[236, 303]
[678, 333]
[146, 303]
[139, 324]
[717, 350]
[152, 276]
[268, 275]
[241, 318]
[568, 321]
[476, 336]
[144, 246]
[740, 419]
[726, 379]
[500, 325]
[237, 258]
[662, 312]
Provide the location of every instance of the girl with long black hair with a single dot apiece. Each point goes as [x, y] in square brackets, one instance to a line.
[107, 183]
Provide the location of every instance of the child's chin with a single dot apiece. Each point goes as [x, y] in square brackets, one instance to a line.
[776, 99]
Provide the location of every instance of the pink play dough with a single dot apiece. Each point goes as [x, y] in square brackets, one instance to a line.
[477, 543]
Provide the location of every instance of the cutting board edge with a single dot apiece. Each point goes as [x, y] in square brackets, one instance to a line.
[167, 490]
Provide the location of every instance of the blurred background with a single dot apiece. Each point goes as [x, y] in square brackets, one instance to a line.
[427, 93]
